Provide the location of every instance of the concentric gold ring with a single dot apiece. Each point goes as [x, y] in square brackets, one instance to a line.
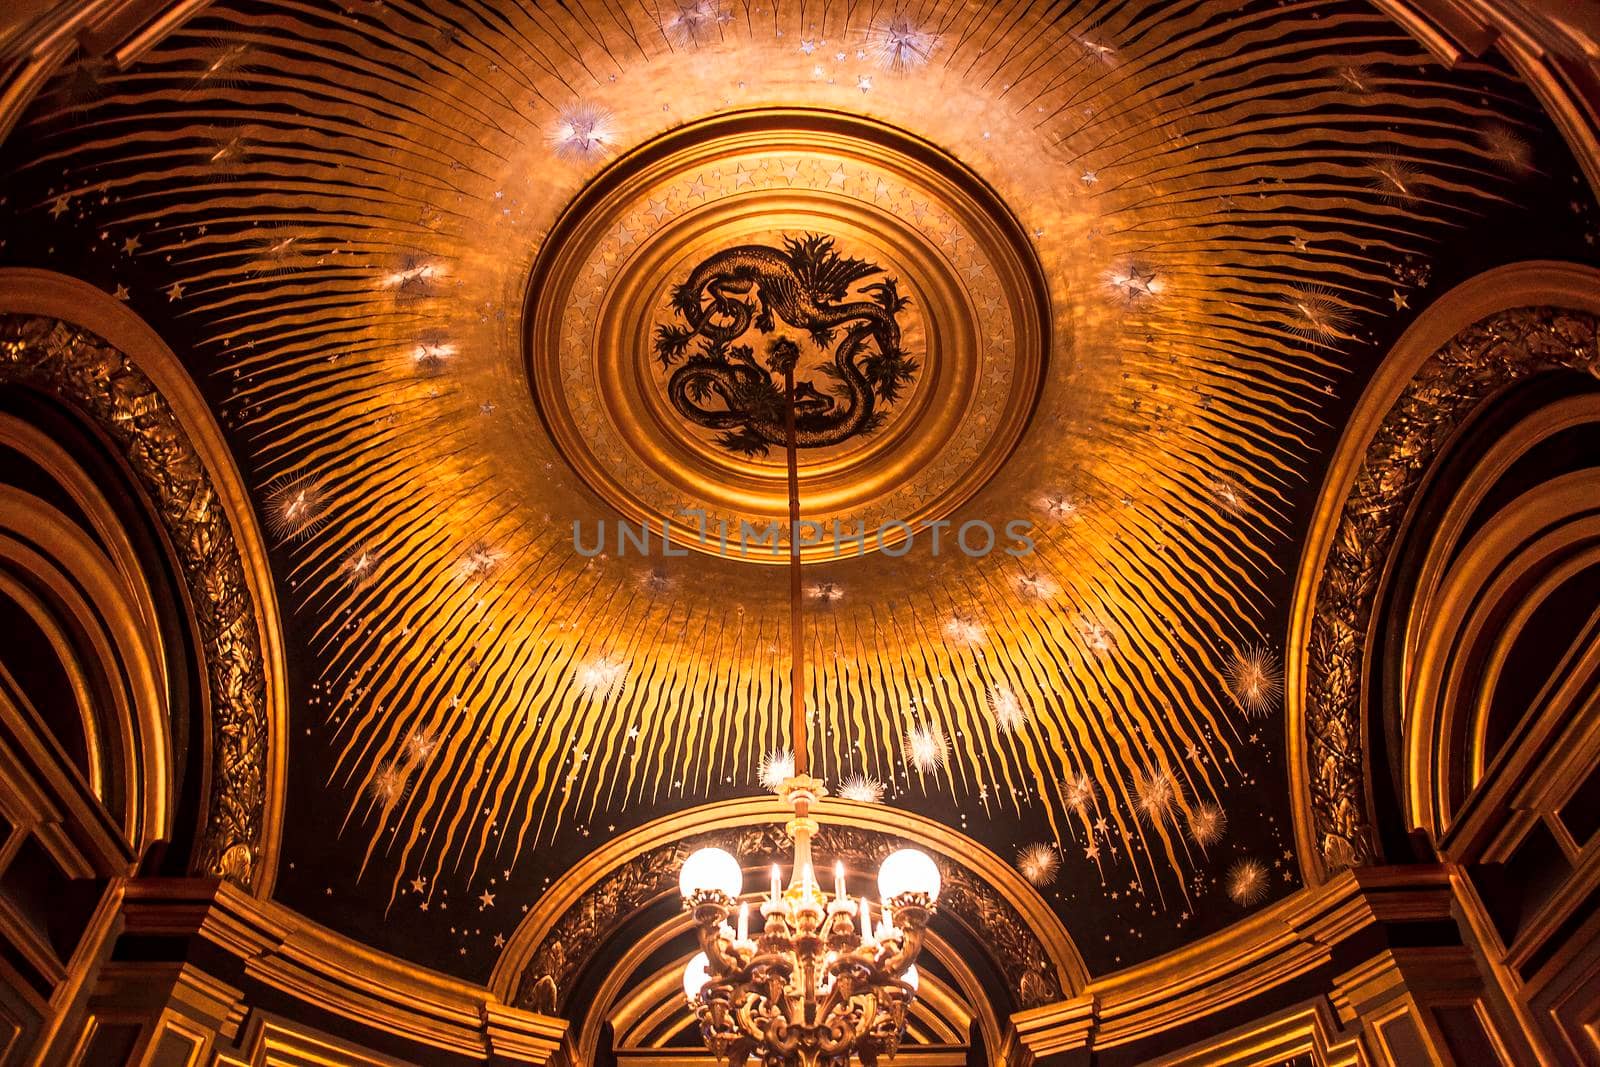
[976, 323]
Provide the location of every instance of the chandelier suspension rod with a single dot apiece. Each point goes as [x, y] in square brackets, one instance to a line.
[819, 984]
[797, 654]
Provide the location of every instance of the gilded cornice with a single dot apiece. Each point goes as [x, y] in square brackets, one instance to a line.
[1478, 362]
[317, 967]
[102, 383]
[1281, 943]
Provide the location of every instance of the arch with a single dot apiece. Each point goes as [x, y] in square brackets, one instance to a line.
[1517, 560]
[77, 597]
[1003, 914]
[69, 340]
[1489, 332]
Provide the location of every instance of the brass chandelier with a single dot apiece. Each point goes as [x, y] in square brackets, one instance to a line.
[820, 981]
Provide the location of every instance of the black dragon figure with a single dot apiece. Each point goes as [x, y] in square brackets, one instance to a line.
[718, 383]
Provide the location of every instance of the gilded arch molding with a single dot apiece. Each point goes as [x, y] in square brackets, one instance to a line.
[70, 340]
[1529, 548]
[80, 594]
[1481, 337]
[576, 915]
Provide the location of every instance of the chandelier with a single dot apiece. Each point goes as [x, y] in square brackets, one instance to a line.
[822, 978]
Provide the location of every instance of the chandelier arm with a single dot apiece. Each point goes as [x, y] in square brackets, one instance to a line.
[903, 956]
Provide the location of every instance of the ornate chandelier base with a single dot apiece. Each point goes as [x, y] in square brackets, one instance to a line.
[819, 983]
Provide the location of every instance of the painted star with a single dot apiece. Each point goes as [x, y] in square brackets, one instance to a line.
[1399, 300]
[1092, 852]
[175, 291]
[698, 187]
[59, 208]
[1089, 177]
[791, 170]
[836, 178]
[120, 292]
[130, 245]
[1140, 283]
[1300, 243]
[418, 884]
[499, 940]
[485, 900]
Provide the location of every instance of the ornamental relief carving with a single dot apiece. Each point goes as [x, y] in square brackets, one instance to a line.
[575, 938]
[106, 387]
[1493, 353]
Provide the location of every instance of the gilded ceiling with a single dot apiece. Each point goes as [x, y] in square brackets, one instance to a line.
[1077, 294]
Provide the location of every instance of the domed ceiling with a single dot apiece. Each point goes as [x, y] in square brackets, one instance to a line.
[1077, 297]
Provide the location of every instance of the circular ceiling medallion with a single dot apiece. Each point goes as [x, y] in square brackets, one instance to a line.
[685, 280]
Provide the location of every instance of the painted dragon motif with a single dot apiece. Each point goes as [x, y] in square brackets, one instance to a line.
[720, 384]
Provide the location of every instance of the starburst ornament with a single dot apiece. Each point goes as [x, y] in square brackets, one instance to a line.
[1097, 638]
[926, 747]
[1134, 284]
[1508, 148]
[388, 786]
[827, 592]
[601, 677]
[1396, 181]
[227, 66]
[421, 745]
[1058, 505]
[296, 506]
[863, 789]
[1010, 713]
[901, 45]
[226, 150]
[1315, 314]
[1228, 497]
[360, 568]
[1207, 824]
[1255, 681]
[1078, 793]
[1099, 50]
[431, 353]
[274, 251]
[963, 630]
[1155, 794]
[1039, 863]
[694, 24]
[1036, 586]
[777, 767]
[478, 562]
[416, 275]
[1356, 78]
[1247, 882]
[582, 132]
